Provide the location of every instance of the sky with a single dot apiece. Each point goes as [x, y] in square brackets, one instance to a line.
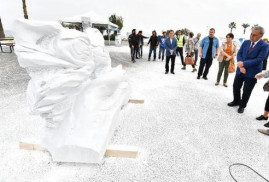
[148, 15]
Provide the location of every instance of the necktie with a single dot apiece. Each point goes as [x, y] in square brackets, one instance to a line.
[251, 47]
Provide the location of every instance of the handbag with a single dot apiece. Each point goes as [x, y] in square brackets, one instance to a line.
[189, 60]
[266, 86]
[231, 68]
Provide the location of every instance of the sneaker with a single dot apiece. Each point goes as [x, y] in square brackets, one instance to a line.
[225, 85]
[198, 77]
[217, 83]
[205, 78]
[166, 72]
[183, 68]
[262, 117]
[148, 59]
[173, 73]
[194, 69]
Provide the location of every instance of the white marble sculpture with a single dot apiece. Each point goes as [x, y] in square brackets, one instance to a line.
[72, 87]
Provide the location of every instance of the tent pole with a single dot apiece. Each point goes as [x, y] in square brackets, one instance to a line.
[108, 34]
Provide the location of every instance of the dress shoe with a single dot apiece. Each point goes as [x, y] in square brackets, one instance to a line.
[217, 83]
[266, 125]
[194, 69]
[240, 110]
[232, 104]
[266, 132]
[154, 59]
[262, 117]
[166, 72]
[148, 59]
[205, 78]
[225, 85]
[198, 77]
[173, 73]
[183, 68]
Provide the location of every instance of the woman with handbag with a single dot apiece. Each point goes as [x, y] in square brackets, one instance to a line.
[189, 47]
[226, 59]
[264, 116]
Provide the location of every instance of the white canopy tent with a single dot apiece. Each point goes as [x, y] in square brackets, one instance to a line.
[95, 19]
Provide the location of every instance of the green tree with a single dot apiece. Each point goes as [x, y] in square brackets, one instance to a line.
[255, 25]
[118, 20]
[2, 34]
[245, 26]
[232, 26]
[24, 9]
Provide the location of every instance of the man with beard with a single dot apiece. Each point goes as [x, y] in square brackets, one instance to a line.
[133, 43]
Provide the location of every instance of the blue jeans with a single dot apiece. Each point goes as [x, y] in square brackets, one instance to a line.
[161, 52]
[152, 48]
[140, 51]
[133, 51]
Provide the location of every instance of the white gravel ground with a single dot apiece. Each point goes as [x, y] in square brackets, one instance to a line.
[185, 131]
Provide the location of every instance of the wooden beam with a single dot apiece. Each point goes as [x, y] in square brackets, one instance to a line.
[111, 151]
[30, 146]
[135, 101]
[121, 151]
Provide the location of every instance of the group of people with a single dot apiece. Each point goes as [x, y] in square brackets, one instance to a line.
[251, 60]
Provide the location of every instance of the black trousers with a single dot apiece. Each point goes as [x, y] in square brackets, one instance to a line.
[266, 108]
[196, 56]
[249, 84]
[179, 51]
[172, 57]
[207, 62]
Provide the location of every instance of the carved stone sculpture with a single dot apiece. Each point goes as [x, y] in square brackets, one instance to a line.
[72, 87]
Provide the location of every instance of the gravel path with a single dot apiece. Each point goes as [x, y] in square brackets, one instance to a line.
[184, 130]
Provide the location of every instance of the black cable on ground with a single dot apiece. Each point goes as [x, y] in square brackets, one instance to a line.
[240, 164]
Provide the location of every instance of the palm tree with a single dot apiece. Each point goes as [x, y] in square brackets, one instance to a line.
[232, 26]
[255, 25]
[2, 34]
[24, 9]
[245, 26]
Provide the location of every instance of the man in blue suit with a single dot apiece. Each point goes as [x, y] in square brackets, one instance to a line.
[170, 48]
[249, 62]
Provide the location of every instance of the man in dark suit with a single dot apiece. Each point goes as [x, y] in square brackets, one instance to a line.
[170, 48]
[250, 59]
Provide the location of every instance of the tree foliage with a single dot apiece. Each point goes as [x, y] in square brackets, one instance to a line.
[232, 26]
[255, 25]
[118, 20]
[245, 26]
[185, 31]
